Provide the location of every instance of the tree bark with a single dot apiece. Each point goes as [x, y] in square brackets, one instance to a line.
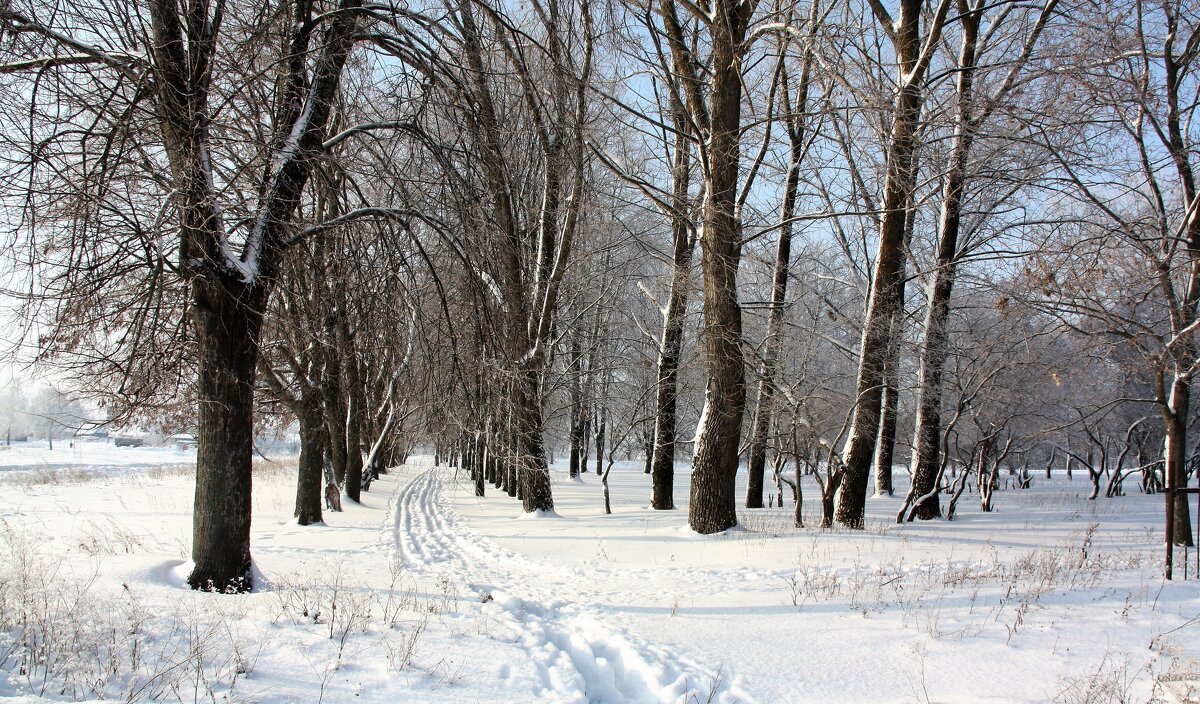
[600, 431]
[483, 463]
[533, 474]
[1175, 462]
[885, 446]
[714, 466]
[335, 422]
[577, 439]
[310, 480]
[351, 391]
[227, 316]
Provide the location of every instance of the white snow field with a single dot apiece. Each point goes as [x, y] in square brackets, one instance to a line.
[425, 593]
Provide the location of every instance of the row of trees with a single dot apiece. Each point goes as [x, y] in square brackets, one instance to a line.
[44, 412]
[475, 225]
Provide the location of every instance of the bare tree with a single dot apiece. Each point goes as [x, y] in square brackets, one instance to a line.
[794, 119]
[533, 255]
[951, 249]
[1136, 189]
[715, 112]
[914, 50]
[176, 87]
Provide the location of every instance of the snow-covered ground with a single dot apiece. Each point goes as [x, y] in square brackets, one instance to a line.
[85, 458]
[425, 593]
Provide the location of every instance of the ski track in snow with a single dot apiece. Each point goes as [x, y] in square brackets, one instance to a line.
[580, 658]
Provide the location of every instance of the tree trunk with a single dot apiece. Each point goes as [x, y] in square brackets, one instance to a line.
[885, 443]
[984, 477]
[600, 430]
[227, 316]
[798, 516]
[1175, 462]
[713, 505]
[761, 423]
[884, 300]
[927, 434]
[354, 457]
[577, 438]
[351, 391]
[335, 421]
[533, 473]
[310, 480]
[928, 431]
[482, 465]
[827, 508]
[648, 449]
[662, 462]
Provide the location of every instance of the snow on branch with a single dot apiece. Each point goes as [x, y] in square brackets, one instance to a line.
[83, 52]
[352, 216]
[401, 125]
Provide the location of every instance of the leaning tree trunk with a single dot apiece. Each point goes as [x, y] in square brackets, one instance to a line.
[662, 462]
[888, 277]
[885, 298]
[928, 431]
[227, 316]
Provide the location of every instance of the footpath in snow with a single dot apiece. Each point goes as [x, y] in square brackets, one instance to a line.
[579, 658]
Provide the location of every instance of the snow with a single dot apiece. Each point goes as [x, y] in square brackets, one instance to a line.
[426, 593]
[248, 265]
[86, 458]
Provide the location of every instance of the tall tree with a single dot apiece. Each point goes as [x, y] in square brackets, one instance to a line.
[794, 119]
[229, 265]
[532, 259]
[715, 111]
[914, 50]
[969, 118]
